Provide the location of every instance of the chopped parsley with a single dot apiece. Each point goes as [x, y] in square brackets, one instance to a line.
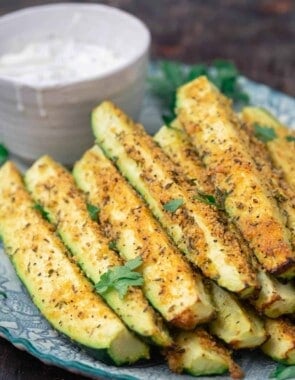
[173, 205]
[121, 278]
[206, 198]
[211, 200]
[3, 154]
[264, 133]
[172, 75]
[113, 245]
[93, 211]
[283, 372]
[43, 212]
[290, 138]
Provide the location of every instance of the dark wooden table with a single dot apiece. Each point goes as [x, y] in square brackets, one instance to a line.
[259, 36]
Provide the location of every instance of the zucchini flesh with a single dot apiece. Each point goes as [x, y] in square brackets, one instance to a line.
[54, 189]
[207, 117]
[195, 227]
[280, 345]
[55, 284]
[274, 298]
[169, 283]
[198, 354]
[281, 150]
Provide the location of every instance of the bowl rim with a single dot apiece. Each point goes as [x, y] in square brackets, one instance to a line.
[121, 66]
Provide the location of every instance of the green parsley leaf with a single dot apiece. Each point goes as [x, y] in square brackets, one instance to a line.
[172, 75]
[113, 245]
[211, 200]
[4, 295]
[45, 214]
[264, 133]
[93, 211]
[3, 154]
[173, 205]
[290, 138]
[121, 278]
[283, 372]
[206, 198]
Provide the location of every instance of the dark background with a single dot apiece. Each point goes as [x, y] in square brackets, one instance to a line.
[259, 36]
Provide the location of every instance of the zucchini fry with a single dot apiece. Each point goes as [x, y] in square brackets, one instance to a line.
[54, 189]
[169, 283]
[274, 298]
[235, 324]
[197, 353]
[56, 285]
[207, 117]
[281, 148]
[194, 226]
[274, 178]
[280, 345]
[128, 222]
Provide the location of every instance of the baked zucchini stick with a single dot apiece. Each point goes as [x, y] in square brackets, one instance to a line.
[280, 345]
[169, 283]
[235, 324]
[54, 189]
[57, 287]
[209, 120]
[194, 226]
[282, 147]
[273, 178]
[197, 353]
[128, 222]
[274, 298]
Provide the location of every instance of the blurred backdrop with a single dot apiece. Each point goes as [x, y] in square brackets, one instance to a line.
[258, 35]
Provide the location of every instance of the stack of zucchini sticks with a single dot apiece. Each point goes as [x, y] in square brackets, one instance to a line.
[184, 241]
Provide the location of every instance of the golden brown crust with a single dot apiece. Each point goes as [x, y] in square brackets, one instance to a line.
[53, 187]
[209, 120]
[195, 227]
[170, 283]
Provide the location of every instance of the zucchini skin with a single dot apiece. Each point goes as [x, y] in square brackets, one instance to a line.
[169, 283]
[274, 298]
[194, 227]
[207, 117]
[53, 187]
[57, 287]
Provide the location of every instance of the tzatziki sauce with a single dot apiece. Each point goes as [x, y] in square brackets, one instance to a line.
[57, 61]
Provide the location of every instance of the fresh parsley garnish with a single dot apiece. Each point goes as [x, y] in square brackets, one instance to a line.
[3, 154]
[93, 211]
[173, 205]
[113, 245]
[206, 198]
[120, 278]
[264, 133]
[211, 200]
[172, 75]
[2, 294]
[43, 212]
[290, 138]
[283, 372]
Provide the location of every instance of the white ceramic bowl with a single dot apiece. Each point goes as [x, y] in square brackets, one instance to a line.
[56, 119]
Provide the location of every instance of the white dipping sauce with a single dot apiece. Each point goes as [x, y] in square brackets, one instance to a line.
[57, 61]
